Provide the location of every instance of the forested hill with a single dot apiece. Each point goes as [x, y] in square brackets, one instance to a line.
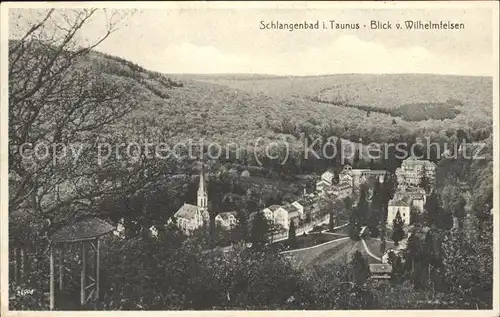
[241, 108]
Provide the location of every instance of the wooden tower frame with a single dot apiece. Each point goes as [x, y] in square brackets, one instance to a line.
[87, 234]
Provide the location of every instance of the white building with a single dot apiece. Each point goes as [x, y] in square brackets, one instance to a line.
[154, 231]
[406, 199]
[120, 229]
[325, 181]
[227, 220]
[269, 212]
[341, 190]
[328, 177]
[295, 213]
[300, 208]
[281, 217]
[412, 170]
[401, 205]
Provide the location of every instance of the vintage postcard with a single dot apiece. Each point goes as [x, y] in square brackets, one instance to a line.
[249, 158]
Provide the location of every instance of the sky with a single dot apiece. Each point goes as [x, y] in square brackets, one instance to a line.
[231, 41]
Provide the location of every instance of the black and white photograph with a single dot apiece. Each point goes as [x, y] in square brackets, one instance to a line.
[249, 156]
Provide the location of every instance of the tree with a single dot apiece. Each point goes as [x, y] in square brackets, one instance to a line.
[412, 252]
[434, 214]
[354, 227]
[376, 210]
[241, 229]
[388, 188]
[382, 242]
[331, 222]
[60, 99]
[424, 180]
[429, 257]
[362, 210]
[348, 204]
[468, 265]
[292, 238]
[416, 217]
[397, 266]
[63, 103]
[359, 267]
[259, 232]
[356, 159]
[453, 202]
[338, 150]
[397, 229]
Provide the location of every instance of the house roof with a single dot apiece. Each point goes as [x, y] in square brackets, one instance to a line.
[328, 173]
[85, 229]
[378, 268]
[292, 211]
[302, 201]
[274, 207]
[322, 183]
[297, 204]
[399, 202]
[187, 211]
[400, 199]
[291, 208]
[226, 215]
[342, 185]
[412, 161]
[405, 196]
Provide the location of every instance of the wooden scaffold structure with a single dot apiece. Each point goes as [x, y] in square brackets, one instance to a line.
[86, 233]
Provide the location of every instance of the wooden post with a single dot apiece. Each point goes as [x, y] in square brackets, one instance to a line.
[97, 268]
[16, 267]
[61, 267]
[83, 273]
[52, 280]
[23, 264]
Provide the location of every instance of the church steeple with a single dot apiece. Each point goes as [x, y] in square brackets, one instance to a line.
[202, 201]
[201, 186]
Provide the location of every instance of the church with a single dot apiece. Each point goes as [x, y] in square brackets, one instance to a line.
[190, 217]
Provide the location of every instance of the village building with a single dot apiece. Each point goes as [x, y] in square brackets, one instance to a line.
[295, 214]
[341, 190]
[416, 194]
[281, 217]
[190, 217]
[275, 214]
[412, 171]
[406, 199]
[401, 205]
[345, 177]
[322, 185]
[309, 204]
[358, 176]
[328, 177]
[226, 220]
[120, 229]
[153, 231]
[299, 207]
[397, 252]
[380, 271]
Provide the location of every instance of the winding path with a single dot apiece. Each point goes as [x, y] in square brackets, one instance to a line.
[369, 252]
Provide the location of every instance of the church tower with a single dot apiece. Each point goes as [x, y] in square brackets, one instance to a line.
[202, 200]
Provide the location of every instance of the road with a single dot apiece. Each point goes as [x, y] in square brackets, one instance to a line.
[337, 251]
